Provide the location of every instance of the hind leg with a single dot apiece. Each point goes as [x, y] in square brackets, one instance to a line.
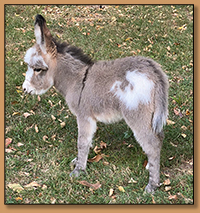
[151, 145]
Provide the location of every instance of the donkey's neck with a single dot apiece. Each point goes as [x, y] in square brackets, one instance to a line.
[69, 77]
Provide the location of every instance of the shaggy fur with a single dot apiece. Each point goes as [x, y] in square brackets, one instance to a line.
[133, 88]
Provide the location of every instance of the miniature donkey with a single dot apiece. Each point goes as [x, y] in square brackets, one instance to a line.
[133, 88]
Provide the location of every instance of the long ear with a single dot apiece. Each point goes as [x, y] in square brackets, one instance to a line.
[42, 33]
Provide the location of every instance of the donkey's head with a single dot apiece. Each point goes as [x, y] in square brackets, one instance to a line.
[41, 60]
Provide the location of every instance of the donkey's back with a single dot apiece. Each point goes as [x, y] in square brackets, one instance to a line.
[133, 88]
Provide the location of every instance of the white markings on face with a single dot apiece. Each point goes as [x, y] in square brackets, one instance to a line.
[34, 60]
[29, 74]
[137, 91]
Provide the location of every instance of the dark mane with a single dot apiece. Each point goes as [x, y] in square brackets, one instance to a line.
[75, 52]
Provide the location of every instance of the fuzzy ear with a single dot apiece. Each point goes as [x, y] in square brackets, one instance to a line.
[42, 33]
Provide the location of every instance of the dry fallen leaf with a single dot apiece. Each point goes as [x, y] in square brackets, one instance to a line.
[8, 141]
[53, 200]
[32, 184]
[132, 181]
[167, 188]
[45, 137]
[36, 128]
[15, 187]
[53, 117]
[184, 135]
[184, 127]
[97, 150]
[16, 113]
[105, 163]
[26, 114]
[121, 189]
[111, 192]
[145, 163]
[93, 186]
[44, 187]
[167, 182]
[169, 122]
[172, 158]
[187, 112]
[103, 145]
[176, 111]
[62, 124]
[20, 144]
[97, 158]
[153, 200]
[18, 198]
[172, 197]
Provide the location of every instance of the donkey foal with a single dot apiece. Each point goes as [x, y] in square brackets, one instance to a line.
[133, 88]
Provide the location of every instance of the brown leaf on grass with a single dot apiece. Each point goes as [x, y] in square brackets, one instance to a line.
[32, 184]
[62, 124]
[36, 128]
[103, 145]
[183, 135]
[97, 150]
[145, 163]
[8, 150]
[169, 122]
[93, 186]
[45, 137]
[20, 144]
[121, 188]
[167, 182]
[16, 113]
[15, 187]
[111, 192]
[44, 187]
[53, 200]
[26, 114]
[167, 188]
[153, 200]
[177, 111]
[172, 158]
[172, 197]
[18, 198]
[105, 163]
[8, 141]
[97, 158]
[53, 117]
[184, 127]
[187, 112]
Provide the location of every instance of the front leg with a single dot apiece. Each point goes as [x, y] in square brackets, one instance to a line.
[86, 130]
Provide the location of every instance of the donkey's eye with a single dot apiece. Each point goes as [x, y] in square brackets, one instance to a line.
[37, 70]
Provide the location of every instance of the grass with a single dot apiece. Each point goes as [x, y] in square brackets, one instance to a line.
[164, 33]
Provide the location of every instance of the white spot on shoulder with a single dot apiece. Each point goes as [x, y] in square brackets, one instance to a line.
[137, 91]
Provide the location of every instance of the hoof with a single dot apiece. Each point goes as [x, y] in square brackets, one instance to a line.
[150, 189]
[76, 172]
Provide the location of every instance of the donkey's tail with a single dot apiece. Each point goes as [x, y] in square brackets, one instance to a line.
[161, 101]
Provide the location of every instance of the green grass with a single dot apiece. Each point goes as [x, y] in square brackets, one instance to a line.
[164, 33]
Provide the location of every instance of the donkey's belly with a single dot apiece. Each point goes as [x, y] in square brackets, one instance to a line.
[109, 117]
